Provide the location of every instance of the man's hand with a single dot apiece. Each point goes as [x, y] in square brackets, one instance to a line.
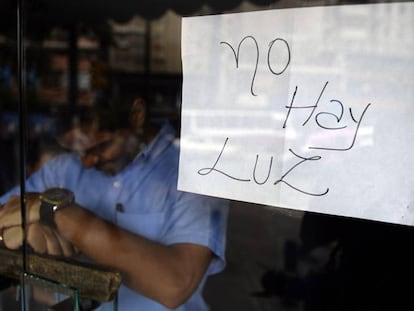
[10, 213]
[41, 238]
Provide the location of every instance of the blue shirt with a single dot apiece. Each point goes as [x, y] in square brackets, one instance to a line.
[143, 198]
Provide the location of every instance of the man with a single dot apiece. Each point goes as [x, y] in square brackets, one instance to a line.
[127, 214]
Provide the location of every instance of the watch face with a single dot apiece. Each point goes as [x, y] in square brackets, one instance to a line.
[57, 196]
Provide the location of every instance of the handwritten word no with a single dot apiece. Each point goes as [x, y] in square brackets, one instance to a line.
[257, 50]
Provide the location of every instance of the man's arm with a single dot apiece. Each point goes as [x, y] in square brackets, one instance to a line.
[167, 274]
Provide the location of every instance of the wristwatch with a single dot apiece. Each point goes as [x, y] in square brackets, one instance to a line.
[52, 200]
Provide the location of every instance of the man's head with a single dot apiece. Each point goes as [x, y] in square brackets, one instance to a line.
[108, 149]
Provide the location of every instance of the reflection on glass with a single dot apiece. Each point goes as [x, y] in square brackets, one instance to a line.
[84, 68]
[116, 155]
[49, 295]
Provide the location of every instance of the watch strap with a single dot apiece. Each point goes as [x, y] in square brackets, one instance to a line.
[51, 201]
[47, 214]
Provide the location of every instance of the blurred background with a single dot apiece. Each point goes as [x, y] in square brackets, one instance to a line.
[103, 53]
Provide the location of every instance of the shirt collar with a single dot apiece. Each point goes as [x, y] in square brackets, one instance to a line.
[162, 140]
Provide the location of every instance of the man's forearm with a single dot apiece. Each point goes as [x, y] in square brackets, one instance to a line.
[168, 274]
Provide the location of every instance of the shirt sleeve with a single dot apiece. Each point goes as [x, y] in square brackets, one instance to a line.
[199, 220]
[46, 177]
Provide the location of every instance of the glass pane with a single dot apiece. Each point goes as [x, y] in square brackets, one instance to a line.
[9, 132]
[65, 72]
[9, 97]
[102, 98]
[42, 294]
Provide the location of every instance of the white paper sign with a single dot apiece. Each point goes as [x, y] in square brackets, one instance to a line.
[309, 109]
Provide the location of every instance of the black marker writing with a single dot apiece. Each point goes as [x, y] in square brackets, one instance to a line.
[208, 170]
[303, 160]
[269, 52]
[312, 113]
[268, 173]
[355, 133]
[321, 116]
[313, 107]
[282, 180]
[237, 55]
[338, 118]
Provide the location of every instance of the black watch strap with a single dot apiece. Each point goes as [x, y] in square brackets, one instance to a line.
[47, 215]
[51, 201]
